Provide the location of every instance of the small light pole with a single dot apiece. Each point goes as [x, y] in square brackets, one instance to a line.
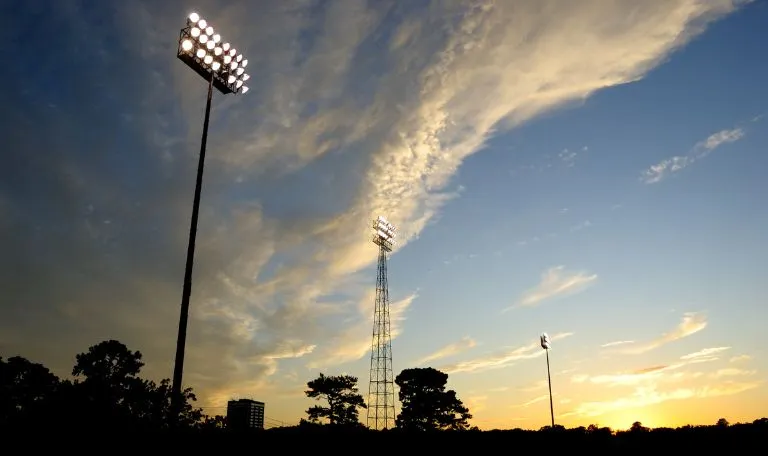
[201, 48]
[546, 345]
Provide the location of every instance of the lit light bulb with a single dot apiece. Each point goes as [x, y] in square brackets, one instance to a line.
[208, 59]
[233, 52]
[217, 51]
[200, 53]
[227, 59]
[194, 17]
[233, 65]
[231, 79]
[216, 38]
[246, 77]
[216, 65]
[244, 63]
[244, 89]
[195, 32]
[225, 46]
[202, 24]
[186, 45]
[210, 44]
[209, 31]
[239, 71]
[239, 83]
[239, 58]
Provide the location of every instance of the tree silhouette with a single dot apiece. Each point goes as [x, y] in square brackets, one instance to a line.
[113, 389]
[25, 387]
[426, 405]
[722, 422]
[341, 394]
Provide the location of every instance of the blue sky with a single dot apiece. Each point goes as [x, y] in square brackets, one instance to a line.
[591, 171]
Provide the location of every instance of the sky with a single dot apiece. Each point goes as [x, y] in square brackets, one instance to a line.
[593, 170]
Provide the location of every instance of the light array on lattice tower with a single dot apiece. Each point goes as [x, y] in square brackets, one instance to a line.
[384, 233]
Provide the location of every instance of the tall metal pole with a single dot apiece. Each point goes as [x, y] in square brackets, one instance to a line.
[178, 368]
[549, 380]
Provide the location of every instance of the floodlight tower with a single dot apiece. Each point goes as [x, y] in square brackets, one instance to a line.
[202, 49]
[381, 388]
[546, 345]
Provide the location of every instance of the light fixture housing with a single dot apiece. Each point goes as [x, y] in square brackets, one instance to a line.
[384, 234]
[545, 342]
[223, 75]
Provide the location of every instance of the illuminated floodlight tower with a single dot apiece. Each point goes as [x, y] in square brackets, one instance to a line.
[202, 49]
[381, 387]
[546, 345]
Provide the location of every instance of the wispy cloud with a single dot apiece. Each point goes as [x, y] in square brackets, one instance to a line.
[502, 359]
[535, 400]
[477, 69]
[692, 323]
[556, 282]
[581, 225]
[656, 372]
[703, 148]
[618, 342]
[355, 341]
[740, 358]
[536, 386]
[648, 383]
[732, 372]
[705, 354]
[449, 350]
[568, 157]
[645, 396]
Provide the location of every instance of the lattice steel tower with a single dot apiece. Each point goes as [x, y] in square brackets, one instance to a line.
[381, 388]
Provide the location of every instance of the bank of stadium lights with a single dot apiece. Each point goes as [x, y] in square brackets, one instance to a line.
[203, 50]
[384, 233]
[201, 47]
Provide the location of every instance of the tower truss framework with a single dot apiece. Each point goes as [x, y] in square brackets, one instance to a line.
[381, 387]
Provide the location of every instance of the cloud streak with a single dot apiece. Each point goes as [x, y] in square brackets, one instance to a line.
[647, 384]
[703, 148]
[451, 349]
[501, 359]
[691, 323]
[555, 282]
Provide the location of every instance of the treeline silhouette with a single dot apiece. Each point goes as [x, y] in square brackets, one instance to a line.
[107, 396]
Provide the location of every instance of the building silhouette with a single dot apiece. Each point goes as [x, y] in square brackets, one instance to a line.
[245, 414]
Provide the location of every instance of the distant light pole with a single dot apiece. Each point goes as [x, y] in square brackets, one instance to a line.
[200, 47]
[546, 345]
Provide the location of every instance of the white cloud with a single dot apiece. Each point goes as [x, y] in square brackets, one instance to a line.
[706, 353]
[355, 342]
[556, 282]
[740, 358]
[449, 350]
[618, 342]
[692, 323]
[501, 359]
[647, 383]
[645, 396]
[732, 372]
[655, 374]
[703, 148]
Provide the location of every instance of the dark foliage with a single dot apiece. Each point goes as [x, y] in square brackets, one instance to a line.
[340, 392]
[107, 402]
[426, 405]
[107, 393]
